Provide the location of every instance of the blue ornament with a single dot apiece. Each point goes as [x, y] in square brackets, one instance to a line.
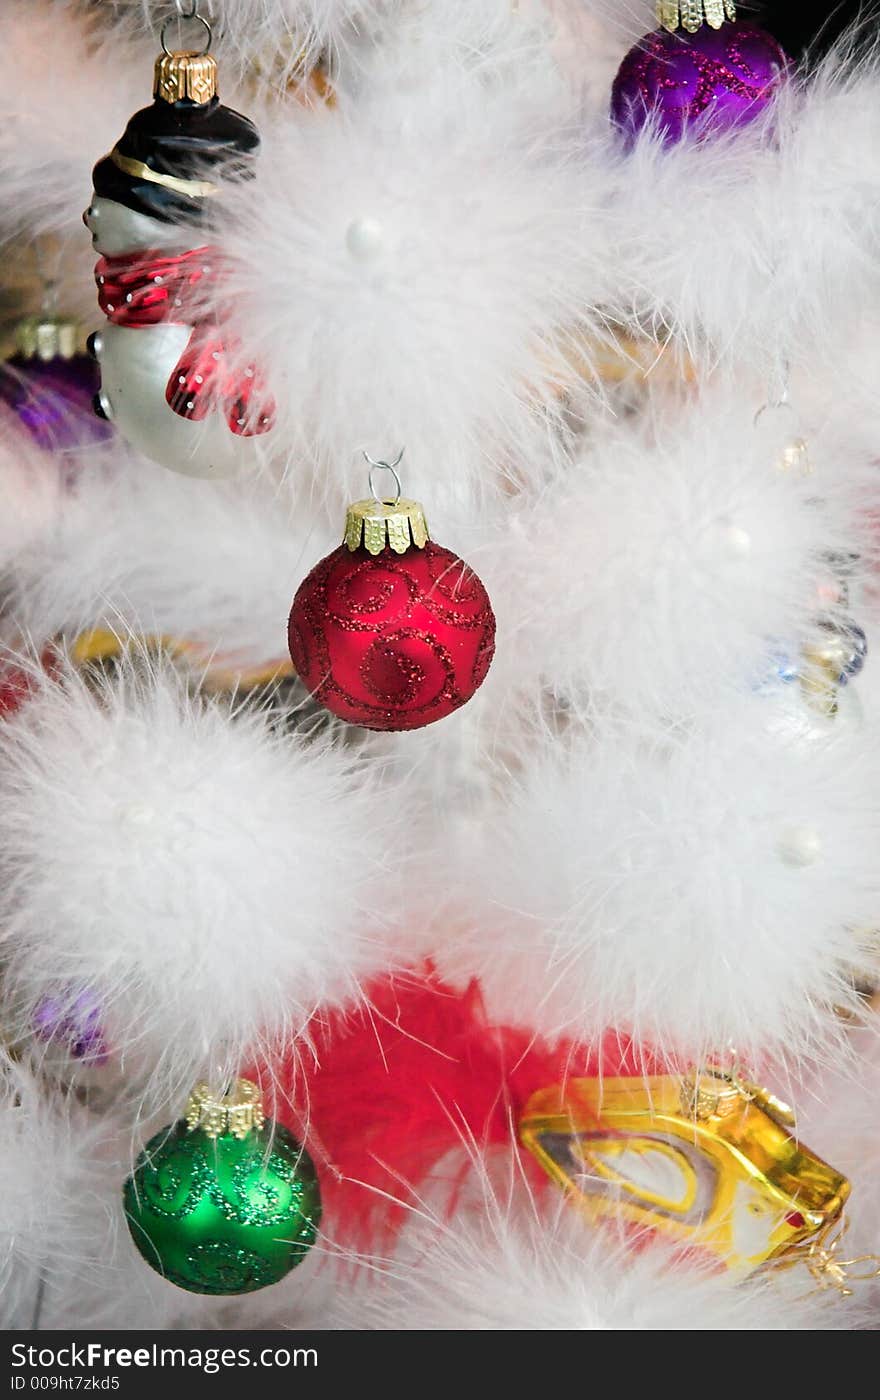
[782, 668]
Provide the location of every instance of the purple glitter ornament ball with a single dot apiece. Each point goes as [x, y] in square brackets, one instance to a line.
[74, 1021]
[700, 84]
[53, 400]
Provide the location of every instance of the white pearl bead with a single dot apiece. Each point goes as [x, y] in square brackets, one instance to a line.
[730, 540]
[800, 845]
[737, 542]
[365, 239]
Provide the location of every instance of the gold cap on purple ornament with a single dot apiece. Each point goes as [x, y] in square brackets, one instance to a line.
[46, 337]
[692, 14]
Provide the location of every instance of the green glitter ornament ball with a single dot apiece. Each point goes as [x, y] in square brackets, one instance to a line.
[220, 1213]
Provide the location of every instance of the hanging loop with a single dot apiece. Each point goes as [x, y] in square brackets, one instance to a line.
[387, 467]
[186, 11]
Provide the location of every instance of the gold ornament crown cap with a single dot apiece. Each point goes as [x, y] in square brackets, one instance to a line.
[47, 338]
[185, 75]
[692, 14]
[378, 525]
[235, 1112]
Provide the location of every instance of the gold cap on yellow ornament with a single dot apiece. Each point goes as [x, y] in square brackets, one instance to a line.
[237, 1112]
[385, 522]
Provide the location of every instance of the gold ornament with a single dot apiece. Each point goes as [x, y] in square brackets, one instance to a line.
[621, 357]
[692, 14]
[709, 1161]
[825, 660]
[818, 686]
[201, 664]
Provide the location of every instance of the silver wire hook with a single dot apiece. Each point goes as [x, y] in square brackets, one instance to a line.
[778, 390]
[182, 15]
[388, 467]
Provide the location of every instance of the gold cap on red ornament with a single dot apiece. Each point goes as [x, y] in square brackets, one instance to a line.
[378, 525]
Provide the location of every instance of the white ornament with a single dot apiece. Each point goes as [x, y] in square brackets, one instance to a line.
[136, 363]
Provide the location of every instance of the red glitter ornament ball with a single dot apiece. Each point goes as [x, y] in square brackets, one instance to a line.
[392, 640]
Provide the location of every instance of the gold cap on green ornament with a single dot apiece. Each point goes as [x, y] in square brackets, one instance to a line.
[234, 1112]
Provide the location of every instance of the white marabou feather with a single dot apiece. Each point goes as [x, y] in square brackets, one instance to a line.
[210, 882]
[32, 490]
[273, 34]
[278, 37]
[643, 881]
[503, 1261]
[407, 266]
[55, 53]
[139, 548]
[781, 235]
[563, 51]
[48, 1201]
[673, 560]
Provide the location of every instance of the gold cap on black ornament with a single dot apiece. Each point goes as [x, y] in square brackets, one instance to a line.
[180, 76]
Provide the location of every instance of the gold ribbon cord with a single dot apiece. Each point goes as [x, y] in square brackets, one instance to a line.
[819, 1254]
